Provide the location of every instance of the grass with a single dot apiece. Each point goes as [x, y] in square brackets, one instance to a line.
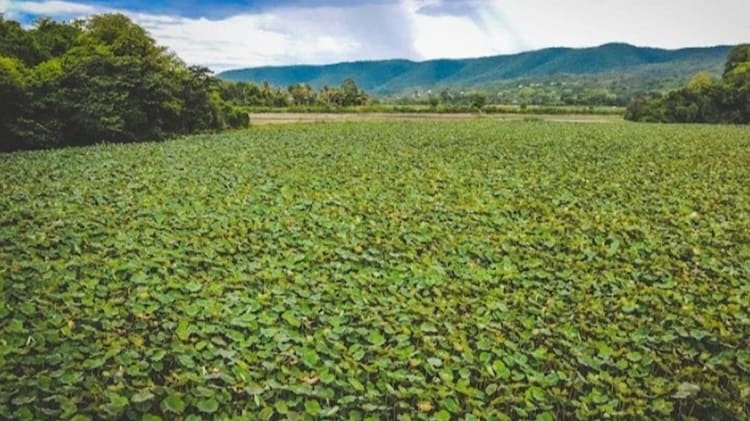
[412, 270]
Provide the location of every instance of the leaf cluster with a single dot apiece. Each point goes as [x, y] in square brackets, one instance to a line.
[415, 270]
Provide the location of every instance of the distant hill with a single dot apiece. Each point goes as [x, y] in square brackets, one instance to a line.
[396, 76]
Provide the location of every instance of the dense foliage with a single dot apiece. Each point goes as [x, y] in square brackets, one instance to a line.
[102, 79]
[417, 270]
[704, 100]
[249, 94]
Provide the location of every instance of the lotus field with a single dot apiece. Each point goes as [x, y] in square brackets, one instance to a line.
[370, 270]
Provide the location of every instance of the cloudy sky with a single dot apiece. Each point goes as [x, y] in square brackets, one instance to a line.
[242, 33]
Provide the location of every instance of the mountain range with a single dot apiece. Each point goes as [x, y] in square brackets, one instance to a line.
[385, 77]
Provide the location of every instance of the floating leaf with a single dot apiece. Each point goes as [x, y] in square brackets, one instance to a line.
[309, 356]
[356, 385]
[686, 390]
[142, 397]
[173, 403]
[209, 406]
[183, 330]
[435, 362]
[291, 318]
[442, 415]
[376, 338]
[312, 407]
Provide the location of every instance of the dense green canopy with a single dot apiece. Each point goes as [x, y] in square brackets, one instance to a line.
[704, 100]
[100, 79]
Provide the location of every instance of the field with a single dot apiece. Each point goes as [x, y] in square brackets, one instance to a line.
[257, 119]
[383, 270]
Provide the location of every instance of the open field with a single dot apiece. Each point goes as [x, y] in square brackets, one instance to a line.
[384, 270]
[385, 108]
[285, 118]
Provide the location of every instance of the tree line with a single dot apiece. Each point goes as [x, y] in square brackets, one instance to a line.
[100, 79]
[298, 94]
[704, 99]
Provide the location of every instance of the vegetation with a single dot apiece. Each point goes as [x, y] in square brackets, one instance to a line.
[378, 107]
[704, 99]
[551, 76]
[248, 94]
[102, 79]
[423, 270]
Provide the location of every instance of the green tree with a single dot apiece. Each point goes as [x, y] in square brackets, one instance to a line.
[351, 93]
[434, 101]
[13, 100]
[704, 100]
[737, 55]
[102, 79]
[302, 94]
[18, 43]
[478, 100]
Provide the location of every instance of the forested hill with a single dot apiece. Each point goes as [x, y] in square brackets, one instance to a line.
[394, 76]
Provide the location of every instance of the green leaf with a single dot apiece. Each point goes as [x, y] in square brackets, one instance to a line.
[291, 318]
[686, 390]
[183, 330]
[376, 338]
[634, 356]
[443, 415]
[451, 405]
[535, 393]
[281, 407]
[312, 407]
[428, 328]
[309, 357]
[266, 413]
[193, 286]
[117, 403]
[209, 406]
[605, 351]
[356, 384]
[545, 416]
[173, 403]
[501, 371]
[142, 397]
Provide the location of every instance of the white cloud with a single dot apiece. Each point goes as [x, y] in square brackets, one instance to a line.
[48, 8]
[466, 29]
[660, 23]
[312, 35]
[321, 32]
[219, 44]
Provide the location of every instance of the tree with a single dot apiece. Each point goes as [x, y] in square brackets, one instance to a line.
[434, 101]
[737, 55]
[101, 79]
[53, 39]
[18, 43]
[478, 100]
[13, 100]
[704, 100]
[700, 81]
[302, 94]
[351, 93]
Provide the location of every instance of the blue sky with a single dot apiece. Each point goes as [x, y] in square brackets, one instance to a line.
[241, 33]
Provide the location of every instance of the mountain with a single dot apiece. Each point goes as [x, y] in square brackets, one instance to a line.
[397, 76]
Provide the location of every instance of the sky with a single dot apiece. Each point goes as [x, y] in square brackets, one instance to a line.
[249, 33]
